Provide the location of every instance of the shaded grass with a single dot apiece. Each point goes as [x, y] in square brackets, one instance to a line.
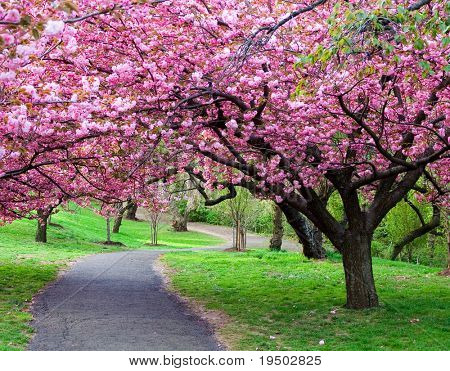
[27, 266]
[285, 296]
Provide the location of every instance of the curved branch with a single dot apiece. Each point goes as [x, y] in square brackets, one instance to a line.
[424, 229]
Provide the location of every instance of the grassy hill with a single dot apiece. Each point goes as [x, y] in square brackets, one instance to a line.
[27, 266]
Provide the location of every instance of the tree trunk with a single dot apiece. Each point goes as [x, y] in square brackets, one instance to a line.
[131, 213]
[179, 222]
[119, 218]
[317, 237]
[117, 223]
[108, 230]
[312, 244]
[41, 231]
[357, 260]
[277, 233]
[154, 231]
[239, 236]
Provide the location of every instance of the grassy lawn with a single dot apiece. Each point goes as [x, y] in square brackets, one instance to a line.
[27, 266]
[281, 301]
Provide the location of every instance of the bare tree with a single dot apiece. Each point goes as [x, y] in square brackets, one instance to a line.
[154, 218]
[239, 209]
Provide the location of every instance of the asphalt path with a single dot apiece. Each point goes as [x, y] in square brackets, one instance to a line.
[118, 301]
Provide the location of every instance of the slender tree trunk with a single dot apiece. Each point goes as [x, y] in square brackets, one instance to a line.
[277, 232]
[42, 222]
[154, 231]
[132, 209]
[357, 260]
[239, 236]
[243, 238]
[108, 230]
[312, 247]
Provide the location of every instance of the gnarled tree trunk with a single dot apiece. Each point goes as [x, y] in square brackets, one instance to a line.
[179, 222]
[118, 219]
[277, 232]
[311, 241]
[357, 260]
[117, 223]
[132, 209]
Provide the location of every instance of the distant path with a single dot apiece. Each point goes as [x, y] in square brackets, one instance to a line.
[117, 301]
[226, 233]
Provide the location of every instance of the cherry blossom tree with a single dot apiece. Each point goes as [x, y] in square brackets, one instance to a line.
[156, 200]
[282, 98]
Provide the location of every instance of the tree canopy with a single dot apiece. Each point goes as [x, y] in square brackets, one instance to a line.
[102, 98]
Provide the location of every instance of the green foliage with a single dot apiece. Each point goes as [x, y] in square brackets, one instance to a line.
[181, 205]
[361, 31]
[335, 206]
[428, 249]
[299, 302]
[27, 266]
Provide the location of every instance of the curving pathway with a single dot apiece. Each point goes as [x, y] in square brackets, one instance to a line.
[253, 240]
[117, 301]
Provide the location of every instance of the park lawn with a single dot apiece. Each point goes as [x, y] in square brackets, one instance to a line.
[27, 266]
[282, 301]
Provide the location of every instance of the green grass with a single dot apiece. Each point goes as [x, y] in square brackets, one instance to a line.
[27, 266]
[285, 296]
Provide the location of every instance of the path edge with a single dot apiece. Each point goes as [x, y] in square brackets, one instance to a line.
[216, 319]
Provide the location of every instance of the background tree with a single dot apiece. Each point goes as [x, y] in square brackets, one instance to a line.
[132, 207]
[277, 233]
[240, 209]
[156, 199]
[419, 231]
[121, 209]
[185, 199]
